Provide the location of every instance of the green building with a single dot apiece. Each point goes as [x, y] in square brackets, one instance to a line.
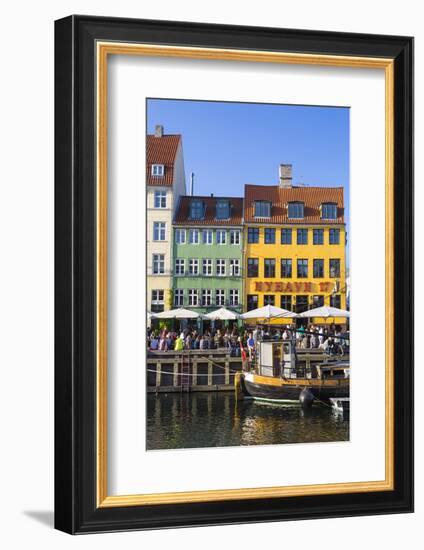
[207, 253]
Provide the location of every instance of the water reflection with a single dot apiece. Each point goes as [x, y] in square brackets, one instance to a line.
[217, 419]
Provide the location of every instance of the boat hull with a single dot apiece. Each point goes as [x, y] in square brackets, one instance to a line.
[288, 390]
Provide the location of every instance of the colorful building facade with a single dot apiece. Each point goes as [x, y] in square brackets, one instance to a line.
[282, 244]
[165, 179]
[207, 253]
[294, 247]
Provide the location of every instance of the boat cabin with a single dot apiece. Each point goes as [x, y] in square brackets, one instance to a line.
[279, 359]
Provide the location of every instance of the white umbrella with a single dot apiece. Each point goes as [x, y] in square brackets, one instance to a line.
[179, 313]
[325, 311]
[267, 312]
[222, 314]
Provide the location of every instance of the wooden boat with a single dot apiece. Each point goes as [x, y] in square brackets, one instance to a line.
[278, 378]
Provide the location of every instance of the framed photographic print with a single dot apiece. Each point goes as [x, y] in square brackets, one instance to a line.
[234, 274]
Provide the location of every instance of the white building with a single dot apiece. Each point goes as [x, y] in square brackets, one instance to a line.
[165, 180]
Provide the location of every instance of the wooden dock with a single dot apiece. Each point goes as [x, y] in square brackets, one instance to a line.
[204, 370]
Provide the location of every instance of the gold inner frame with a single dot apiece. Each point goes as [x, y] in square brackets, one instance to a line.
[104, 49]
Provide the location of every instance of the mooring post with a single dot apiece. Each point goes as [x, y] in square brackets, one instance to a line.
[227, 371]
[210, 374]
[194, 377]
[175, 381]
[158, 374]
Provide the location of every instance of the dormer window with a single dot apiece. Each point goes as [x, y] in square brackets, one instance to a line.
[222, 210]
[328, 211]
[196, 209]
[262, 209]
[158, 170]
[296, 210]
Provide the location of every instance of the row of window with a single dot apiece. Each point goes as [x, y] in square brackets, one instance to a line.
[295, 210]
[197, 207]
[269, 267]
[222, 209]
[197, 297]
[195, 236]
[207, 267]
[286, 268]
[205, 296]
[208, 297]
[262, 209]
[286, 235]
[222, 236]
[206, 236]
[291, 302]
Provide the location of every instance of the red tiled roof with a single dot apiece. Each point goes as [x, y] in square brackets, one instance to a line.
[161, 150]
[312, 197]
[182, 216]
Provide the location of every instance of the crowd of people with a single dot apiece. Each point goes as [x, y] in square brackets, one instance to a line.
[239, 341]
[192, 339]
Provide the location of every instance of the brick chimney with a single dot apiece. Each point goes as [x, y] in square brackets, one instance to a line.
[158, 130]
[286, 177]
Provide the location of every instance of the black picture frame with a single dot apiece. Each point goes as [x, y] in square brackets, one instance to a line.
[76, 510]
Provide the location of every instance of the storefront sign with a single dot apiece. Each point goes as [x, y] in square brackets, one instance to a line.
[298, 287]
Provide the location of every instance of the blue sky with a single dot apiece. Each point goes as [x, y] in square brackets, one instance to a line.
[228, 145]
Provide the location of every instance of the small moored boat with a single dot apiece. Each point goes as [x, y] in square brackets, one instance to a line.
[341, 405]
[278, 378]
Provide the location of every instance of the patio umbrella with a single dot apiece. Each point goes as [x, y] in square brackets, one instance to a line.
[268, 312]
[222, 314]
[325, 311]
[179, 313]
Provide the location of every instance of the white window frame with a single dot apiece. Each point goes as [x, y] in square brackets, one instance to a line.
[234, 295]
[193, 266]
[209, 233]
[193, 293]
[221, 265]
[220, 299]
[235, 236]
[160, 196]
[181, 233]
[161, 231]
[219, 234]
[193, 232]
[160, 262]
[180, 270]
[158, 300]
[180, 293]
[207, 262]
[206, 293]
[234, 267]
[158, 170]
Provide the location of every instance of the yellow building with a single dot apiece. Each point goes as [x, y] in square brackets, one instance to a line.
[295, 247]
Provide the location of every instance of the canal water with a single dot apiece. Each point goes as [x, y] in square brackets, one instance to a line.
[217, 419]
